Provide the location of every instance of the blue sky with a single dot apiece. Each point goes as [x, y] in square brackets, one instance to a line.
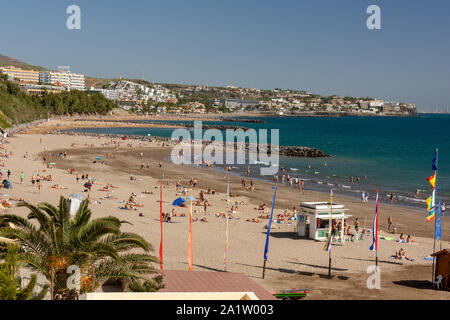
[322, 46]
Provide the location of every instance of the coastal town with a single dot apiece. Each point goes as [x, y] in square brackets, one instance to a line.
[144, 97]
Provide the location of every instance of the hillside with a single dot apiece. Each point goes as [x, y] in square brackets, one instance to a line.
[8, 61]
[18, 107]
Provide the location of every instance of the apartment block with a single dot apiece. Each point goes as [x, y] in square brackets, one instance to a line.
[23, 76]
[72, 81]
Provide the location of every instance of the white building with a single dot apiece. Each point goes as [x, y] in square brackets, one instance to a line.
[111, 94]
[72, 81]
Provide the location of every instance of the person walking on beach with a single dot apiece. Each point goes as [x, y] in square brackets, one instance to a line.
[363, 195]
[21, 177]
[391, 197]
[389, 224]
[9, 173]
[356, 225]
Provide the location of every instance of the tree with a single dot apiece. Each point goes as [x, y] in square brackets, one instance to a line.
[10, 285]
[95, 246]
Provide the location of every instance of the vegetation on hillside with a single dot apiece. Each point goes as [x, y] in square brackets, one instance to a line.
[18, 107]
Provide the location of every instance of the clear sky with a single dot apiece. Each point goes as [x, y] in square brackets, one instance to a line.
[322, 46]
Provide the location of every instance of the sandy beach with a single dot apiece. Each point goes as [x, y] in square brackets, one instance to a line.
[293, 262]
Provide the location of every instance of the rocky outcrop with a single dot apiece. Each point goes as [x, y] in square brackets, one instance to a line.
[301, 152]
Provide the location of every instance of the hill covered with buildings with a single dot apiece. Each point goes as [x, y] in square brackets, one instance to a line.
[144, 97]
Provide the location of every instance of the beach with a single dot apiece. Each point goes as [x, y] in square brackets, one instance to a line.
[293, 262]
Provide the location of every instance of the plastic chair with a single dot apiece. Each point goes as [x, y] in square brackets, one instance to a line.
[438, 281]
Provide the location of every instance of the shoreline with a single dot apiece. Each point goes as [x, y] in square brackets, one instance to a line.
[401, 197]
[293, 261]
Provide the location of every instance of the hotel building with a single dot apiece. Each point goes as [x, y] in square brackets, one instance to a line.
[23, 76]
[72, 81]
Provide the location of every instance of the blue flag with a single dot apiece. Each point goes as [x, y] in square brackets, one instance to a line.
[266, 248]
[438, 221]
[435, 161]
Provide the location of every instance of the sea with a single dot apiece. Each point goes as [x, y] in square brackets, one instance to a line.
[388, 154]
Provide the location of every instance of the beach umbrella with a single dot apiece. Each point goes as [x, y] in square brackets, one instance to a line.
[178, 202]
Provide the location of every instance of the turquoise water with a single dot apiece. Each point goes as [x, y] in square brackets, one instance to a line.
[395, 153]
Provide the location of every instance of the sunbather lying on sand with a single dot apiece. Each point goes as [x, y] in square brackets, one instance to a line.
[254, 220]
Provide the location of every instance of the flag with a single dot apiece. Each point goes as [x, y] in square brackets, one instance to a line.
[374, 246]
[328, 244]
[432, 180]
[226, 230]
[189, 253]
[431, 206]
[161, 222]
[266, 248]
[438, 221]
[226, 245]
[435, 166]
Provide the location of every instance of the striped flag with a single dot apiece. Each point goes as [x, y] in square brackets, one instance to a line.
[328, 244]
[431, 206]
[374, 246]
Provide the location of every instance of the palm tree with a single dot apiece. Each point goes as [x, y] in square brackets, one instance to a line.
[97, 247]
[10, 288]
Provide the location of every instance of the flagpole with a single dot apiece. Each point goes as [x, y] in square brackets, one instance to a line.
[269, 226]
[434, 238]
[226, 229]
[331, 237]
[161, 223]
[189, 255]
[376, 251]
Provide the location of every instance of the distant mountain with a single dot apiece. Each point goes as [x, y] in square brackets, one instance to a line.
[8, 61]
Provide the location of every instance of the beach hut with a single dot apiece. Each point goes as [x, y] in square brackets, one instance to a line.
[313, 219]
[74, 202]
[443, 267]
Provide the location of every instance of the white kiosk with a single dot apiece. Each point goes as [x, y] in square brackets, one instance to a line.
[313, 219]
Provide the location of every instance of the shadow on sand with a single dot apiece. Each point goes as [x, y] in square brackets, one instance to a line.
[417, 284]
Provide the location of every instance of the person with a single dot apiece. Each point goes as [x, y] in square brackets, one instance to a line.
[357, 225]
[391, 197]
[417, 193]
[400, 254]
[21, 176]
[408, 239]
[9, 173]
[401, 238]
[442, 207]
[363, 195]
[389, 224]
